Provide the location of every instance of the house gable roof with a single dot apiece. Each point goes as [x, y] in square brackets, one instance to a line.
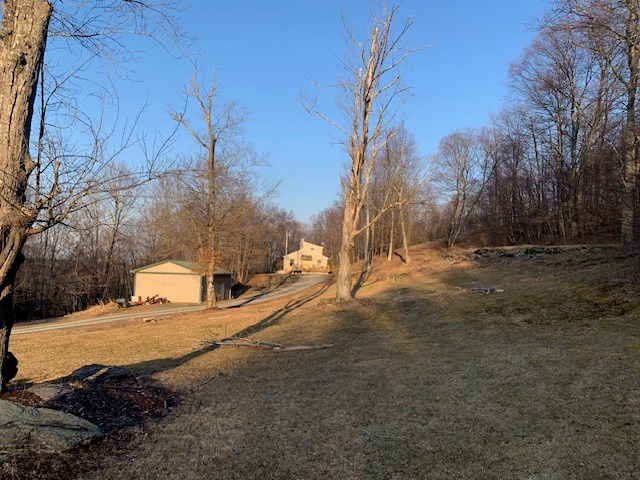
[305, 246]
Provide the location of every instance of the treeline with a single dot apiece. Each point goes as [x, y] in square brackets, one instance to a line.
[558, 164]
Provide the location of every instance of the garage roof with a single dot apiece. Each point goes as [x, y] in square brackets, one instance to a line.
[183, 263]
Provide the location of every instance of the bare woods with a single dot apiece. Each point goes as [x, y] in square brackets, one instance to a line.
[558, 163]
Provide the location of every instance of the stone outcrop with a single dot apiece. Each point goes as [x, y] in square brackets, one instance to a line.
[25, 428]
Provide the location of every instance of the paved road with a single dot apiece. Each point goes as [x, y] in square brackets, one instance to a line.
[305, 281]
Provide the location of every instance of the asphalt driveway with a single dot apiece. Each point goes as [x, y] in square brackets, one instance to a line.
[305, 281]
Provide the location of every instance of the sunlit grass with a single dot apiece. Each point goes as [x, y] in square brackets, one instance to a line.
[425, 379]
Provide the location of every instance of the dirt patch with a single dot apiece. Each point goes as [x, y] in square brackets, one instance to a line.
[23, 397]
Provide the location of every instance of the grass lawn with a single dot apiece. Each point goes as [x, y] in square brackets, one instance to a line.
[425, 379]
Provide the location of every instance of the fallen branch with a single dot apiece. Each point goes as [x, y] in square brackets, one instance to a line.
[485, 290]
[241, 342]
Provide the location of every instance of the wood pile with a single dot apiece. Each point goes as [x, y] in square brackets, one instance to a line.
[156, 299]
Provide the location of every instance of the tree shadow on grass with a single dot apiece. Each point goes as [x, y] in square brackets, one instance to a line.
[165, 364]
[400, 256]
[269, 289]
[365, 273]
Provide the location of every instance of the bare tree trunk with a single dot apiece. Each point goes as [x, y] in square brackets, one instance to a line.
[343, 280]
[111, 247]
[372, 248]
[405, 241]
[455, 223]
[6, 315]
[23, 37]
[630, 169]
[391, 232]
[211, 221]
[381, 240]
[211, 291]
[354, 195]
[371, 101]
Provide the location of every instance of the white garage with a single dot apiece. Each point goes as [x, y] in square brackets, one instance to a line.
[178, 281]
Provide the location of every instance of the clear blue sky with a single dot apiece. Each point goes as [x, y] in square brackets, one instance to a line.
[266, 53]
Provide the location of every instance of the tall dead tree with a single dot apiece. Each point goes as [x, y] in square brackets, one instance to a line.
[219, 123]
[370, 93]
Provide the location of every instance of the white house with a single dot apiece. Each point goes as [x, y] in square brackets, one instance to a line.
[309, 258]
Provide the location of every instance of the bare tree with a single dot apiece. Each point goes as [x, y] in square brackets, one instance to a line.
[370, 93]
[462, 177]
[219, 125]
[399, 176]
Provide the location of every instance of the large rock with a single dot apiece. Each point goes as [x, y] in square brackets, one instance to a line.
[42, 429]
[97, 371]
[49, 391]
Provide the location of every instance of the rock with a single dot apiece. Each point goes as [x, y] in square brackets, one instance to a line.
[86, 371]
[49, 391]
[42, 429]
[96, 371]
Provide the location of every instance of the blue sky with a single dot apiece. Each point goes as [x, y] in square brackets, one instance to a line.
[267, 52]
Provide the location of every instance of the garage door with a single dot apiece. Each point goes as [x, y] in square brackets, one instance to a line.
[177, 288]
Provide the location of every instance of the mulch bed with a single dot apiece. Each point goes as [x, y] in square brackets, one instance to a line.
[123, 408]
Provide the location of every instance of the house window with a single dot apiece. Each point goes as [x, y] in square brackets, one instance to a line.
[306, 258]
[291, 262]
[319, 263]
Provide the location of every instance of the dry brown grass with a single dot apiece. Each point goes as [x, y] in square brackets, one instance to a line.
[424, 380]
[110, 308]
[146, 347]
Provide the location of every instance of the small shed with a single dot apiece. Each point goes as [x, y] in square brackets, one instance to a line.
[178, 281]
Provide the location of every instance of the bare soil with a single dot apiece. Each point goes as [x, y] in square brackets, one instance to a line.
[426, 378]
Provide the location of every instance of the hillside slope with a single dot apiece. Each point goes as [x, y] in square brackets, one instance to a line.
[427, 378]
